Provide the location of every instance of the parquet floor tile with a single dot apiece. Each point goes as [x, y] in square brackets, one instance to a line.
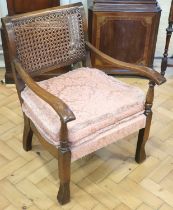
[109, 179]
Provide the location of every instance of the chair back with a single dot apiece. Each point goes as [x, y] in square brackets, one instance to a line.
[48, 39]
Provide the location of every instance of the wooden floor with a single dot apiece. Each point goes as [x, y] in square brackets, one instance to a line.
[108, 179]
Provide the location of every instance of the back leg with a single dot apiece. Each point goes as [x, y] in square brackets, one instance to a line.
[27, 134]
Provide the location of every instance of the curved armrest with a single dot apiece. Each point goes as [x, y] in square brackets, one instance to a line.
[65, 114]
[140, 70]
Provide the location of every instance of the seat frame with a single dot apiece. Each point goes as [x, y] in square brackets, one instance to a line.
[63, 153]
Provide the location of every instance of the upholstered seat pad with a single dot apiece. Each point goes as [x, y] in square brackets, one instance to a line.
[98, 101]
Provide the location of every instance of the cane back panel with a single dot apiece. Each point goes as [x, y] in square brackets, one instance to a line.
[55, 38]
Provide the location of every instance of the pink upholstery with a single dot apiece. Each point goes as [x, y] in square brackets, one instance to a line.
[100, 103]
[119, 131]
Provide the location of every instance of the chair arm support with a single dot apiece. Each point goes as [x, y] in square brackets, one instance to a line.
[140, 70]
[65, 114]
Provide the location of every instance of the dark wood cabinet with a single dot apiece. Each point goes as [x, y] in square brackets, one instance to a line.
[124, 29]
[18, 7]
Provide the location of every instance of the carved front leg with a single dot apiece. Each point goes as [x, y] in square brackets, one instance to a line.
[64, 163]
[144, 132]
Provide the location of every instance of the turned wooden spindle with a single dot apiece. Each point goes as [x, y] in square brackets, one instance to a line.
[164, 63]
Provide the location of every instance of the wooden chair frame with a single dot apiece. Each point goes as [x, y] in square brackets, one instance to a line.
[22, 79]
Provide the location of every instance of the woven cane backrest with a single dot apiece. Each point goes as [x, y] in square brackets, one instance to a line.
[54, 38]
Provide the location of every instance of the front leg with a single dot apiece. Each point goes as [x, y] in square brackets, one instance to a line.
[144, 132]
[142, 139]
[64, 162]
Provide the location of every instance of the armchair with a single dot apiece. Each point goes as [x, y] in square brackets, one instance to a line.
[73, 114]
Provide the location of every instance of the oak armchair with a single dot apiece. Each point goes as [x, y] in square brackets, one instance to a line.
[75, 113]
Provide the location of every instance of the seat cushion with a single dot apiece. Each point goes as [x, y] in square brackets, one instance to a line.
[99, 102]
[118, 131]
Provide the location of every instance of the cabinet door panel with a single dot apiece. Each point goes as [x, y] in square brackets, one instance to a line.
[123, 39]
[21, 6]
[126, 36]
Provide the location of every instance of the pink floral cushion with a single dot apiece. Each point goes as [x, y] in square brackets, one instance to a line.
[99, 102]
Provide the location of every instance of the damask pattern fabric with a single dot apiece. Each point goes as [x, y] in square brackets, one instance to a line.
[119, 131]
[99, 102]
